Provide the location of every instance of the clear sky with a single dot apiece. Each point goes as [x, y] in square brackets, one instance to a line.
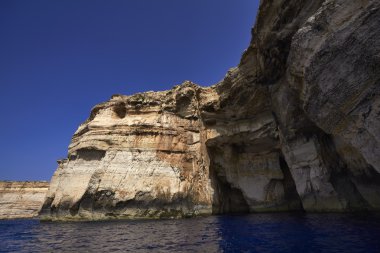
[60, 58]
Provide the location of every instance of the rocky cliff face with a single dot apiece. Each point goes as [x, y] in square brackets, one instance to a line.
[21, 199]
[294, 127]
[136, 156]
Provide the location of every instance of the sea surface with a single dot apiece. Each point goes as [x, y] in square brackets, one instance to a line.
[245, 233]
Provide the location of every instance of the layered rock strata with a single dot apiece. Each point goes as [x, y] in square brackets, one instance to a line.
[21, 199]
[294, 127]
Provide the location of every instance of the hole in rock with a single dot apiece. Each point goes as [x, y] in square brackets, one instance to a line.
[90, 154]
[120, 110]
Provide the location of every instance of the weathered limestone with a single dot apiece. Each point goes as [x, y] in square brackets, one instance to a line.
[333, 68]
[294, 127]
[21, 199]
[136, 156]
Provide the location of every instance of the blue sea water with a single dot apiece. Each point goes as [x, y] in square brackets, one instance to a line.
[246, 233]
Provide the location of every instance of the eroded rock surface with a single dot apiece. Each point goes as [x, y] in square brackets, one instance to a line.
[294, 127]
[21, 199]
[136, 156]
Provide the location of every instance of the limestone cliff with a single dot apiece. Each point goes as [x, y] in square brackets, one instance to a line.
[21, 199]
[136, 156]
[294, 127]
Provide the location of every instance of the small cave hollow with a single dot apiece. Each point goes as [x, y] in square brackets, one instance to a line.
[90, 154]
[291, 195]
[120, 110]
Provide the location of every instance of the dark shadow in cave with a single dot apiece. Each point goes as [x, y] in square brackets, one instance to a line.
[226, 199]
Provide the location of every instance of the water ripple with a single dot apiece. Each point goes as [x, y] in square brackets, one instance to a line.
[247, 233]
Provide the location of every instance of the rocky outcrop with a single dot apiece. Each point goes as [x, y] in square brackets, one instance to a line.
[294, 127]
[136, 156]
[21, 199]
[333, 72]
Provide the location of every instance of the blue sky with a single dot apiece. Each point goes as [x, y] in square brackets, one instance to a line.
[60, 58]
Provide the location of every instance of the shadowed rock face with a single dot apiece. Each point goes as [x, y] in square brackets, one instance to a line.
[294, 127]
[21, 199]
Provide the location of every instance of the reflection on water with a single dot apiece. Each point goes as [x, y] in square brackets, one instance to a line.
[248, 233]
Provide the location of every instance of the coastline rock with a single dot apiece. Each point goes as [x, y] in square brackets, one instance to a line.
[21, 199]
[136, 156]
[294, 127]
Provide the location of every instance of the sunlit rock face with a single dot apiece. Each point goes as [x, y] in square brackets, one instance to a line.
[136, 156]
[21, 199]
[294, 127]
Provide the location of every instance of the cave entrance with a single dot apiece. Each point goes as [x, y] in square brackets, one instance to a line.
[227, 199]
